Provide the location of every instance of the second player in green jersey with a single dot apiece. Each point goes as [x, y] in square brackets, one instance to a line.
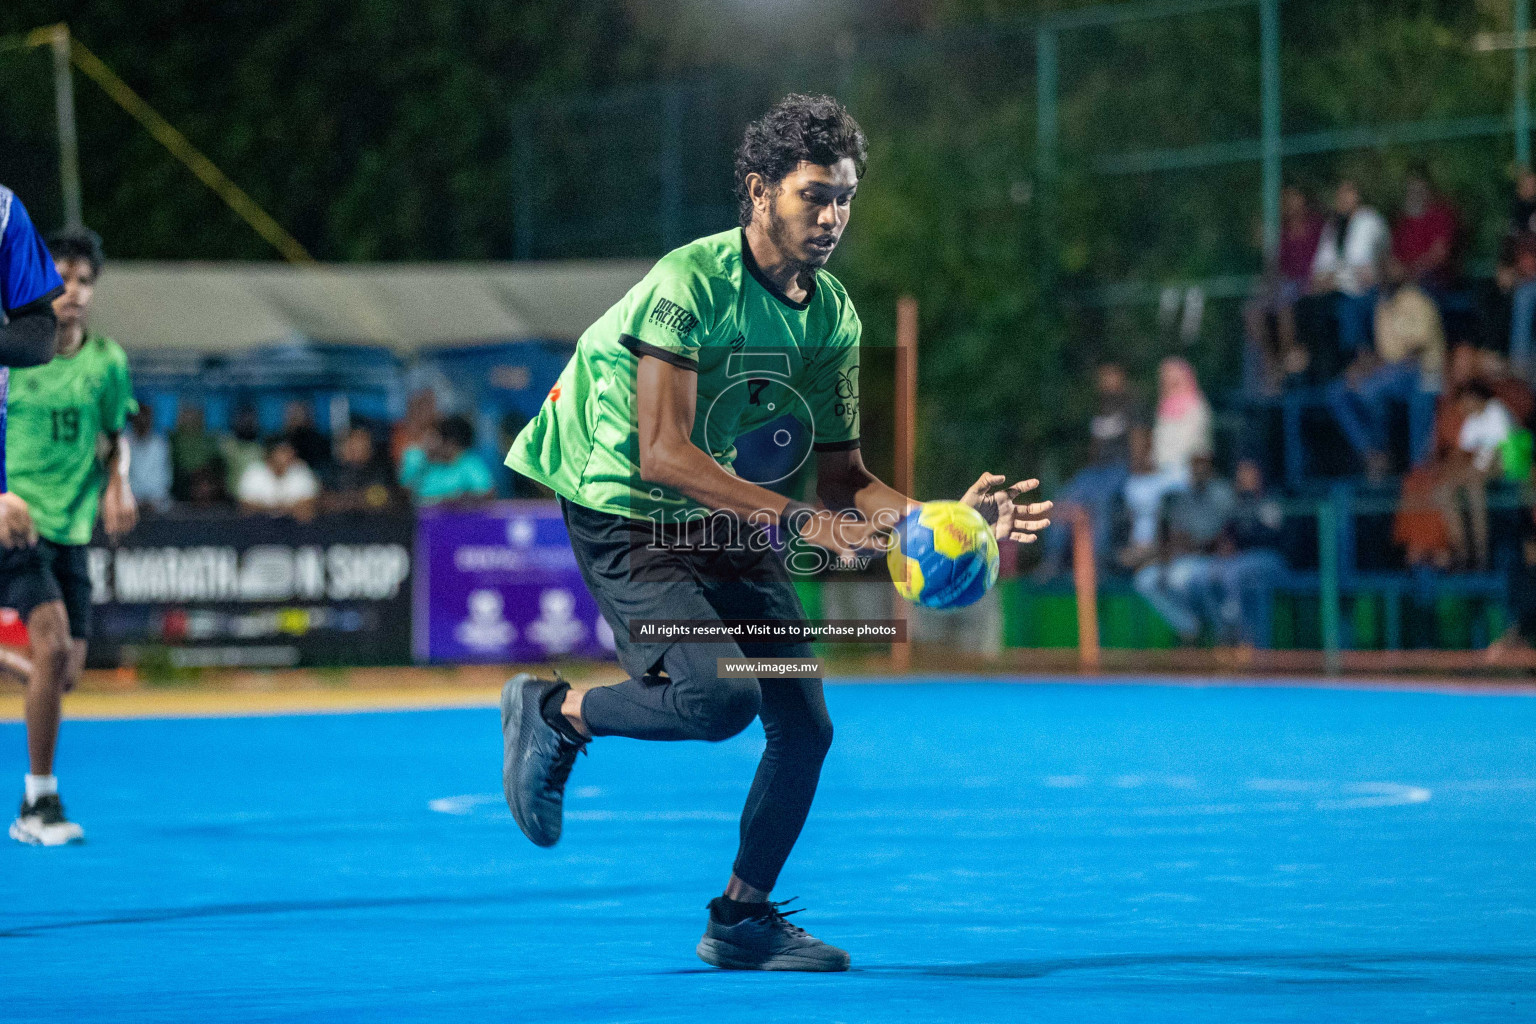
[66, 459]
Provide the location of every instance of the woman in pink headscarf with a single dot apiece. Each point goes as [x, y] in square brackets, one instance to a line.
[1182, 429]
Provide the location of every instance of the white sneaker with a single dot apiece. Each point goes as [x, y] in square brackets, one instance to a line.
[42, 823]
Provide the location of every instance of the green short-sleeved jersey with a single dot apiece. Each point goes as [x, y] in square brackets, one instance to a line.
[705, 307]
[56, 412]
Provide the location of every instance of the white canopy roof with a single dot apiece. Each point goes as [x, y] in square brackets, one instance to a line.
[231, 306]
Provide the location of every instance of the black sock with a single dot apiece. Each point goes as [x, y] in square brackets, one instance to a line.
[727, 911]
[549, 708]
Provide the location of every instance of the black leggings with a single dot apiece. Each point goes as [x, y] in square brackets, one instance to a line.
[689, 703]
[673, 692]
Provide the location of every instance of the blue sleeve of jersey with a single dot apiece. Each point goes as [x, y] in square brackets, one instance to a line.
[26, 269]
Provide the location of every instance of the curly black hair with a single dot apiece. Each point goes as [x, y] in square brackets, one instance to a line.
[77, 244]
[817, 129]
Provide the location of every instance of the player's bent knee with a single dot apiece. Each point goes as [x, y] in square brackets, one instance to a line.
[820, 738]
[48, 632]
[727, 708]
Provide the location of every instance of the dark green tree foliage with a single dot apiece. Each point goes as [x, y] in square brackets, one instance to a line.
[371, 129]
[944, 214]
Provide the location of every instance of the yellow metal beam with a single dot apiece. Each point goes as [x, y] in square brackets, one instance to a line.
[166, 134]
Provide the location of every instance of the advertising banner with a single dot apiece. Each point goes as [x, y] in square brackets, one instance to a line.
[500, 584]
[255, 591]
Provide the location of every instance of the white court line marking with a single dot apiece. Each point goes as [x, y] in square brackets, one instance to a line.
[1378, 794]
[1355, 796]
[461, 805]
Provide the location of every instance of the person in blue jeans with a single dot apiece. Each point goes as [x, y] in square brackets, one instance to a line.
[1517, 271]
[1522, 318]
[1247, 563]
[1405, 366]
[1178, 586]
[1096, 487]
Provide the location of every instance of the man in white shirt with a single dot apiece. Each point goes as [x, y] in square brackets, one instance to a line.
[280, 484]
[1348, 262]
[1488, 426]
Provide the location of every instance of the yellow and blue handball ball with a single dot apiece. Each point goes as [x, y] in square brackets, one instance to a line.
[943, 555]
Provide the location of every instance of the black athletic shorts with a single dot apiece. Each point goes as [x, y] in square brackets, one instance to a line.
[49, 572]
[691, 574]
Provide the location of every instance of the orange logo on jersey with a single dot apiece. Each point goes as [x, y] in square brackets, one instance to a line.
[554, 392]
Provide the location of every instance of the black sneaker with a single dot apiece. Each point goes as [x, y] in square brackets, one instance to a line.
[536, 759]
[43, 823]
[767, 942]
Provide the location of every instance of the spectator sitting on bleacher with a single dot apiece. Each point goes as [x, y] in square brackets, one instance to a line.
[1178, 584]
[414, 427]
[1348, 264]
[361, 480]
[1096, 487]
[1517, 271]
[241, 447]
[1141, 497]
[445, 468]
[1285, 282]
[1248, 560]
[1509, 388]
[281, 484]
[1486, 429]
[1419, 527]
[195, 460]
[1405, 365]
[310, 443]
[149, 462]
[1181, 432]
[1424, 237]
[1522, 208]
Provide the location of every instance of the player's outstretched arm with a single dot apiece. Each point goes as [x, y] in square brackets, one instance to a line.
[843, 481]
[666, 401]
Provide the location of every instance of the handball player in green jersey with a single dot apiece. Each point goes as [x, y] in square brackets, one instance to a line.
[65, 457]
[637, 437]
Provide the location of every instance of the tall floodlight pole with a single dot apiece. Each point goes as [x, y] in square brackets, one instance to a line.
[69, 146]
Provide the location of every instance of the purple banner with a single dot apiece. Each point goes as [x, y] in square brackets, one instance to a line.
[500, 583]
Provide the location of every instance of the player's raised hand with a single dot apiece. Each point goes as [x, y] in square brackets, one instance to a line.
[16, 526]
[1003, 507]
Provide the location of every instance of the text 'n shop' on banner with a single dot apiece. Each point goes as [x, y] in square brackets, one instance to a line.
[210, 591]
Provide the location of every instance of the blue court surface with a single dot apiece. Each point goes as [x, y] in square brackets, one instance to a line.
[986, 852]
